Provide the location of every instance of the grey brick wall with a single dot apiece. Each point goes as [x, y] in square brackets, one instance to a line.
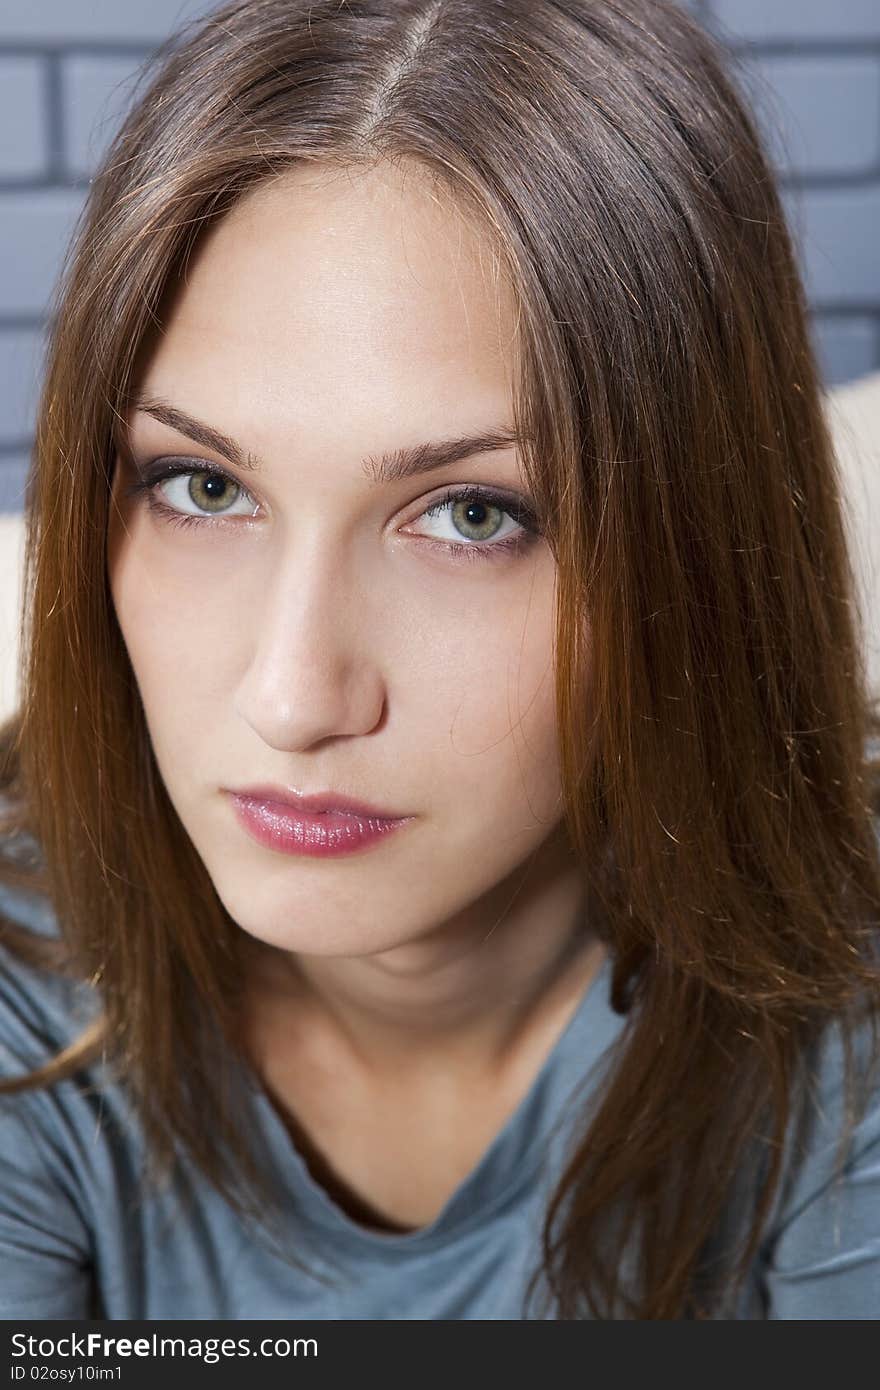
[812, 70]
[813, 74]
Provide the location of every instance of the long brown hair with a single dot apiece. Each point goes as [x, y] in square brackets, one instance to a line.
[717, 781]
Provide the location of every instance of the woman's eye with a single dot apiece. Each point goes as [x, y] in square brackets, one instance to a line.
[467, 523]
[479, 522]
[209, 493]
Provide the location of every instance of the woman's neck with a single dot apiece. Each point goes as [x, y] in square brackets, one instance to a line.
[463, 995]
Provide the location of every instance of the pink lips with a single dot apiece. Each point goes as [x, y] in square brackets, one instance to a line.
[318, 804]
[319, 826]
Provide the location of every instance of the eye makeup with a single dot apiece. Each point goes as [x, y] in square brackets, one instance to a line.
[150, 476]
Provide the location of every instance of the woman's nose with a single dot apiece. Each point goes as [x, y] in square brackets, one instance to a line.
[312, 670]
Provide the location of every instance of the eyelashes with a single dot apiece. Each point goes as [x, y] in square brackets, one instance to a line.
[151, 476]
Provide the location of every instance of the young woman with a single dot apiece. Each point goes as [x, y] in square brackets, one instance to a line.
[440, 863]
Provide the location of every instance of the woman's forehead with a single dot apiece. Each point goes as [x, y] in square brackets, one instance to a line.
[365, 269]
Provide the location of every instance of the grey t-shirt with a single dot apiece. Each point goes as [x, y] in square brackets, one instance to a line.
[78, 1237]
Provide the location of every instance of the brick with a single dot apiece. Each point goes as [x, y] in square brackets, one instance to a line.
[96, 92]
[820, 114]
[66, 20]
[20, 367]
[35, 228]
[24, 136]
[847, 347]
[835, 231]
[13, 473]
[798, 19]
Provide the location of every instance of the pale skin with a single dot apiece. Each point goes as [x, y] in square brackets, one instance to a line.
[319, 634]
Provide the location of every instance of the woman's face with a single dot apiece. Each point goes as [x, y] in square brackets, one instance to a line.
[312, 626]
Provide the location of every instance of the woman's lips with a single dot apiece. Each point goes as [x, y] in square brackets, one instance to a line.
[284, 828]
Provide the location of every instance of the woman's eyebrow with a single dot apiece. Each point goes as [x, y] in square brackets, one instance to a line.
[390, 467]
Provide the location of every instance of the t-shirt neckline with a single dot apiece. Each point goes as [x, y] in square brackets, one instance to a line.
[509, 1160]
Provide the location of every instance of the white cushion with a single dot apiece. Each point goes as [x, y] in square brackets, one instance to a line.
[853, 413]
[854, 416]
[11, 562]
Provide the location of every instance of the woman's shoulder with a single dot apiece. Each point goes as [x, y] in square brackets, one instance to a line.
[49, 1135]
[831, 1110]
[41, 1010]
[54, 1136]
[820, 1257]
